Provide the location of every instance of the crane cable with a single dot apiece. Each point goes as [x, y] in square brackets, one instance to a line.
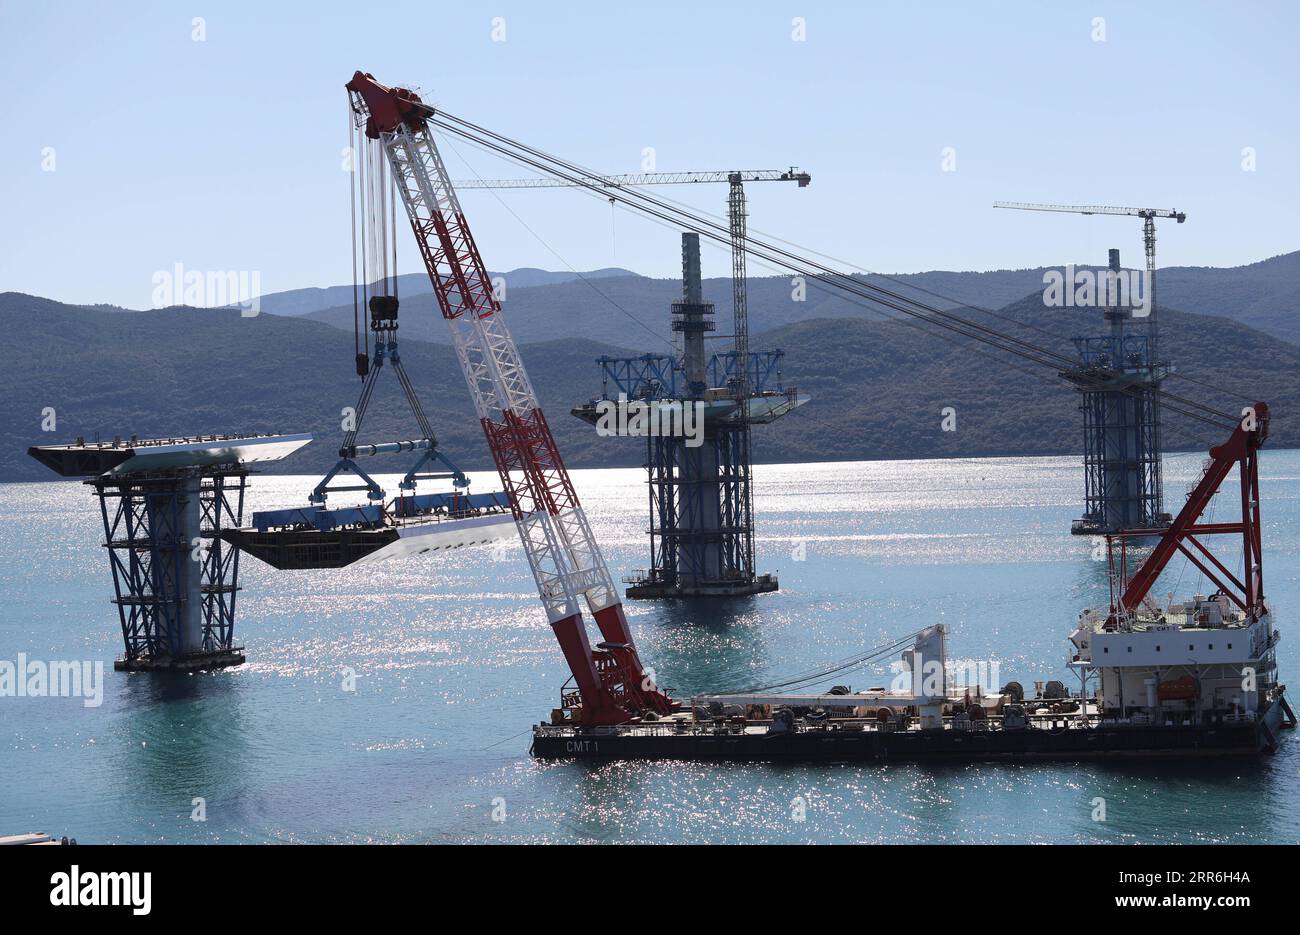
[648, 204]
[1217, 423]
[702, 225]
[378, 218]
[541, 240]
[808, 678]
[352, 199]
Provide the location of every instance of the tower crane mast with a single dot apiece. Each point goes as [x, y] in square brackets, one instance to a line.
[1123, 474]
[611, 684]
[738, 217]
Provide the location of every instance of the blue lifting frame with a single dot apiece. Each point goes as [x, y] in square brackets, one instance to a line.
[654, 376]
[762, 367]
[456, 475]
[323, 489]
[1129, 351]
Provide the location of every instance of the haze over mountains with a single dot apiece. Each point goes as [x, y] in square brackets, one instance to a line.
[307, 301]
[877, 386]
[610, 305]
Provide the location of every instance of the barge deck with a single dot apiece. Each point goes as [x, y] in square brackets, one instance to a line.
[1060, 737]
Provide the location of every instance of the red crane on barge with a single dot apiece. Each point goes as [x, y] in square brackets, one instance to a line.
[616, 711]
[611, 683]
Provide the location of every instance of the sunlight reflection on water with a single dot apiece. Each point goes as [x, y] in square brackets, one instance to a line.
[453, 660]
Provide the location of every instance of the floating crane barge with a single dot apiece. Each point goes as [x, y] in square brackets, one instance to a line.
[1184, 680]
[1198, 678]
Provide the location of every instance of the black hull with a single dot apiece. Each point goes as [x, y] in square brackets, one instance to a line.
[813, 746]
[310, 548]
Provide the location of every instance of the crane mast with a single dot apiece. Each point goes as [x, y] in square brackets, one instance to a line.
[611, 683]
[737, 214]
[1122, 426]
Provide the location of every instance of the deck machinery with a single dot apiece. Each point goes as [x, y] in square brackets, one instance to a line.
[165, 503]
[700, 489]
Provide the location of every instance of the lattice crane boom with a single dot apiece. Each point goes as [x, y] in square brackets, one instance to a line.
[612, 686]
[1179, 216]
[791, 174]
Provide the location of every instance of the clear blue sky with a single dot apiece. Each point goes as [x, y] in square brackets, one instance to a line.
[224, 154]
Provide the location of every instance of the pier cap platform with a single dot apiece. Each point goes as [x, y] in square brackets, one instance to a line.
[88, 459]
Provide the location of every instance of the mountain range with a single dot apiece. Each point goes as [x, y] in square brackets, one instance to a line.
[617, 307]
[877, 386]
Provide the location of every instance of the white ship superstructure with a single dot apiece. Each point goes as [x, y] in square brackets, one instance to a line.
[1204, 661]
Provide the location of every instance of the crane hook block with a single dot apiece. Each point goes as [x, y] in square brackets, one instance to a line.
[363, 364]
[383, 308]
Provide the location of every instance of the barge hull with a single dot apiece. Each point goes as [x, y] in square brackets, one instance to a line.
[829, 745]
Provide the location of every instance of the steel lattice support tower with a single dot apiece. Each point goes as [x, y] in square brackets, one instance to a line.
[1122, 485]
[701, 501]
[167, 506]
[700, 496]
[698, 521]
[1119, 376]
[1119, 384]
[174, 579]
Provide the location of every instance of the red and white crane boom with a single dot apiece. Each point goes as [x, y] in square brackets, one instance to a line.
[612, 686]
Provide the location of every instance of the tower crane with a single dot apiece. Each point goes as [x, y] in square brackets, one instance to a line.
[736, 215]
[1123, 475]
[737, 222]
[612, 686]
[1148, 216]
